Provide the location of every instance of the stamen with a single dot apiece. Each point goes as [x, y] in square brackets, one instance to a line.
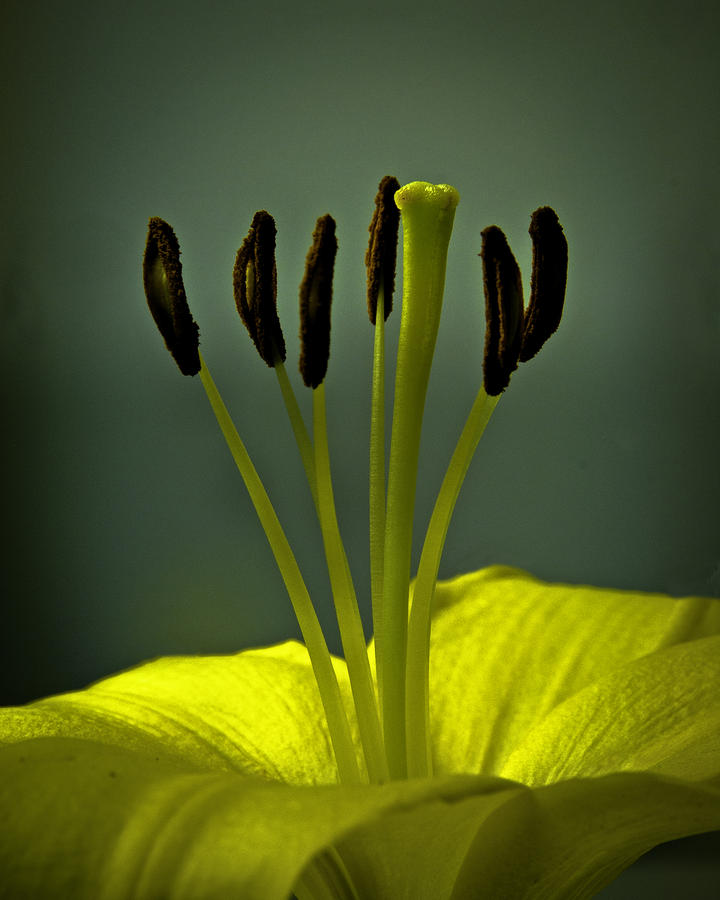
[503, 310]
[380, 260]
[165, 292]
[315, 302]
[549, 278]
[255, 288]
[381, 255]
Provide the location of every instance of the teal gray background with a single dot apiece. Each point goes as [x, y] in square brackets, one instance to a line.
[127, 533]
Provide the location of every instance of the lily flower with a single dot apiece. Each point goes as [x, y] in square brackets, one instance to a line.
[500, 737]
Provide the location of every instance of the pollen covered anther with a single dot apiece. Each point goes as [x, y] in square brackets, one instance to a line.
[549, 278]
[255, 288]
[315, 302]
[381, 254]
[502, 284]
[165, 293]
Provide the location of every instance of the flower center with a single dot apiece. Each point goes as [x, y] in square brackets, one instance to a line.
[392, 713]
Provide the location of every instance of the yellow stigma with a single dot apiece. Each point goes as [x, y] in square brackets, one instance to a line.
[437, 196]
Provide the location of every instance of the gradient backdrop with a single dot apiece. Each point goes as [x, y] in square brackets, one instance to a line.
[127, 533]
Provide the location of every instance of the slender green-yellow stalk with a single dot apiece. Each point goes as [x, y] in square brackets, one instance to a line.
[427, 215]
[417, 686]
[302, 438]
[377, 473]
[348, 614]
[299, 597]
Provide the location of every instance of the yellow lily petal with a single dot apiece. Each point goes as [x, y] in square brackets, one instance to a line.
[104, 823]
[176, 808]
[566, 840]
[507, 649]
[659, 713]
[85, 821]
[571, 839]
[257, 712]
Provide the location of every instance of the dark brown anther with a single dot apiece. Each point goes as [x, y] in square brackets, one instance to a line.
[549, 277]
[165, 292]
[315, 302]
[381, 254]
[255, 288]
[503, 310]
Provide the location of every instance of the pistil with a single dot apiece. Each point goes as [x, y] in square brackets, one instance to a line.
[427, 213]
